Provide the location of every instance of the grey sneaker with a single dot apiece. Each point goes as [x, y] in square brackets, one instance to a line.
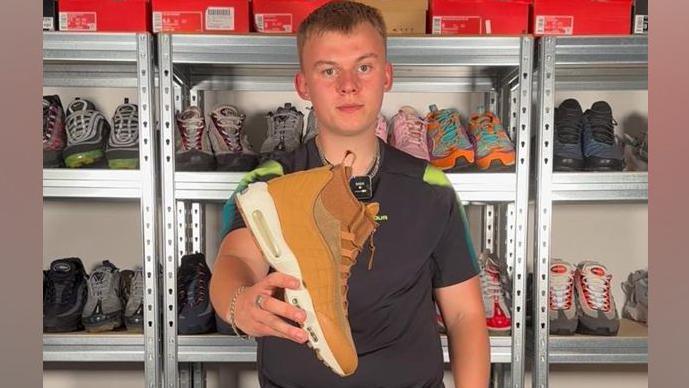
[103, 310]
[311, 126]
[595, 303]
[133, 288]
[87, 130]
[285, 127]
[193, 144]
[230, 145]
[123, 144]
[636, 296]
[497, 312]
[562, 309]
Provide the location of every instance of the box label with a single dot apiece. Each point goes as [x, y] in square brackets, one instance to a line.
[554, 25]
[456, 25]
[78, 21]
[171, 21]
[640, 24]
[48, 23]
[273, 22]
[220, 19]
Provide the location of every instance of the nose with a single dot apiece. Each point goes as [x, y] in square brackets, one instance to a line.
[348, 82]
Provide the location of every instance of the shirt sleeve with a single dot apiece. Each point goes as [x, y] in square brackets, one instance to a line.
[454, 257]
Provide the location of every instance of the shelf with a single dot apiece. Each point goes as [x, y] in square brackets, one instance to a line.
[85, 183]
[224, 348]
[600, 186]
[218, 186]
[630, 346]
[83, 347]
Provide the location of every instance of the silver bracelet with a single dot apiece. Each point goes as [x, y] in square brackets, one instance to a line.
[233, 306]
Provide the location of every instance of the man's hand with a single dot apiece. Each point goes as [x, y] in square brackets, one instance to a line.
[266, 320]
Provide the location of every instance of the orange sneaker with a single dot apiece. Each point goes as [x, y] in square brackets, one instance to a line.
[449, 145]
[493, 148]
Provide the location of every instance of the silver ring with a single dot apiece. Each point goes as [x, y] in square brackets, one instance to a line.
[259, 301]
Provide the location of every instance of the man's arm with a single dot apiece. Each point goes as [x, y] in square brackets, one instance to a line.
[240, 263]
[461, 305]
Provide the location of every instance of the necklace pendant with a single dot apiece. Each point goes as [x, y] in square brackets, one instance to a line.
[361, 187]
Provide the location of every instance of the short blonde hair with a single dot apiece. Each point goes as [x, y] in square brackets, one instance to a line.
[339, 16]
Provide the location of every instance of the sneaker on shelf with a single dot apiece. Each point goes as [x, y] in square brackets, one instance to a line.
[103, 310]
[195, 314]
[133, 289]
[493, 149]
[498, 316]
[317, 241]
[311, 129]
[569, 126]
[65, 293]
[602, 151]
[636, 296]
[193, 146]
[122, 150]
[230, 144]
[54, 137]
[595, 303]
[636, 152]
[285, 127]
[408, 133]
[87, 132]
[449, 144]
[223, 327]
[382, 128]
[562, 309]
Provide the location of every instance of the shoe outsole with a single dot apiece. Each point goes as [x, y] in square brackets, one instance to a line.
[84, 159]
[200, 328]
[135, 323]
[103, 322]
[567, 164]
[258, 210]
[236, 162]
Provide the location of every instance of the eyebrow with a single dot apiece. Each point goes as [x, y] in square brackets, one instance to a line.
[331, 63]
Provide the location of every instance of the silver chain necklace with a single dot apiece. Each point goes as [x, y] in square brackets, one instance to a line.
[372, 172]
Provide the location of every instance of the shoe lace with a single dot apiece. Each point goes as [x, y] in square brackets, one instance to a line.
[191, 130]
[349, 256]
[284, 121]
[81, 125]
[194, 293]
[229, 122]
[50, 113]
[491, 288]
[561, 291]
[569, 127]
[484, 129]
[412, 129]
[125, 125]
[100, 282]
[597, 291]
[602, 127]
[137, 287]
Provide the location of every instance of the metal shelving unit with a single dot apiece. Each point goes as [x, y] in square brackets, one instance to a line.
[500, 67]
[110, 60]
[582, 63]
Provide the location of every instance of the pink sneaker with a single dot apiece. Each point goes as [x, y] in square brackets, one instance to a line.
[382, 128]
[409, 133]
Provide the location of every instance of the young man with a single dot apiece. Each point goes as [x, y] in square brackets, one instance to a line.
[423, 249]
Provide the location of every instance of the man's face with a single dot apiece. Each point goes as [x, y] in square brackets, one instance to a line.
[345, 77]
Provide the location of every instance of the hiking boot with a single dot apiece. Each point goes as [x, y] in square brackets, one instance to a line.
[194, 311]
[285, 127]
[230, 145]
[493, 149]
[65, 294]
[133, 291]
[309, 225]
[595, 303]
[567, 148]
[449, 144]
[408, 133]
[636, 296]
[54, 137]
[602, 152]
[562, 309]
[87, 133]
[123, 144]
[497, 312]
[193, 146]
[103, 310]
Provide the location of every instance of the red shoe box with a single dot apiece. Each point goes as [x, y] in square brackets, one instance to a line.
[201, 16]
[581, 17]
[282, 16]
[479, 17]
[105, 15]
[402, 17]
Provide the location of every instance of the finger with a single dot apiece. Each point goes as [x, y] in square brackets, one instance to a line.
[276, 323]
[281, 280]
[266, 330]
[283, 309]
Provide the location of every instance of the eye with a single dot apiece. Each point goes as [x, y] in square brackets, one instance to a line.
[364, 68]
[329, 72]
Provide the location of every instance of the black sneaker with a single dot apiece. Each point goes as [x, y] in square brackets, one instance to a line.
[123, 144]
[223, 327]
[194, 311]
[602, 151]
[64, 295]
[567, 149]
[87, 133]
[133, 289]
[103, 310]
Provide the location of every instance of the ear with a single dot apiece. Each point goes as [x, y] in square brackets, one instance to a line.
[388, 76]
[300, 86]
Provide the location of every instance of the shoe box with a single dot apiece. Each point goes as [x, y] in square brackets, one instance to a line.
[105, 15]
[281, 16]
[641, 17]
[407, 17]
[49, 15]
[201, 16]
[479, 17]
[581, 17]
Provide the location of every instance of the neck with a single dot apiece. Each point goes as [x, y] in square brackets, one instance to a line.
[365, 149]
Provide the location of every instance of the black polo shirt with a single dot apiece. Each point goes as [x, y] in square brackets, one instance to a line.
[422, 243]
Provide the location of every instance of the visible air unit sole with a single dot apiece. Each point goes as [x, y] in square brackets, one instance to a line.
[258, 210]
[83, 159]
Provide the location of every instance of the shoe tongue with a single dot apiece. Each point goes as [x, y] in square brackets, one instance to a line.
[595, 269]
[62, 267]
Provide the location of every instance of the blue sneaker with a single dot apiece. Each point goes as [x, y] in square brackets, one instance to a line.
[567, 150]
[602, 152]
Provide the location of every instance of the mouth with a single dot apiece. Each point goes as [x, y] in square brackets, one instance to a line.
[349, 108]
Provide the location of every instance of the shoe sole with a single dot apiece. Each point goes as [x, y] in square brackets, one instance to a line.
[456, 161]
[134, 324]
[602, 331]
[258, 210]
[496, 161]
[108, 322]
[123, 164]
[64, 327]
[84, 159]
[567, 164]
[202, 328]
